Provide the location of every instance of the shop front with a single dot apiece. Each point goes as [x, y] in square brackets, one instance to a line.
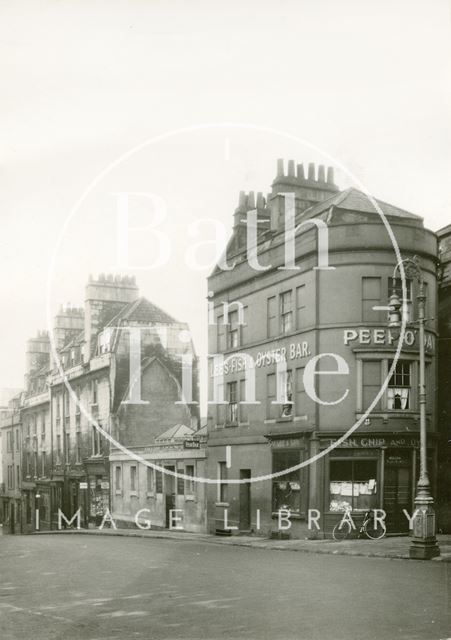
[372, 472]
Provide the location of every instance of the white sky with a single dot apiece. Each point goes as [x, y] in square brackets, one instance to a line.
[84, 82]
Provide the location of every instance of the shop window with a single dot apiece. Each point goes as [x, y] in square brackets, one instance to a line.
[232, 398]
[118, 478]
[158, 481]
[150, 480]
[271, 308]
[406, 309]
[286, 312]
[371, 383]
[286, 489]
[189, 483]
[353, 485]
[399, 386]
[233, 330]
[222, 486]
[133, 478]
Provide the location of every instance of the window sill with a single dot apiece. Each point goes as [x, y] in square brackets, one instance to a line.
[133, 494]
[222, 504]
[284, 419]
[230, 424]
[151, 495]
[293, 516]
[190, 498]
[118, 492]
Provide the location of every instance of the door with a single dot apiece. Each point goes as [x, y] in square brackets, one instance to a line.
[12, 517]
[245, 500]
[398, 491]
[169, 492]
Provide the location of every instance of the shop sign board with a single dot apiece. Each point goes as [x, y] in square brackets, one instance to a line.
[191, 444]
[377, 442]
[377, 337]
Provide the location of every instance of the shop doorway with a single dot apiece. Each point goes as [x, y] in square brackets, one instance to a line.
[169, 491]
[397, 490]
[245, 500]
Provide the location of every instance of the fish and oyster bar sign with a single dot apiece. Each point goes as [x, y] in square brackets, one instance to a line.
[243, 361]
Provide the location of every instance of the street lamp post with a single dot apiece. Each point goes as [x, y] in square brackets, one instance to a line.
[424, 543]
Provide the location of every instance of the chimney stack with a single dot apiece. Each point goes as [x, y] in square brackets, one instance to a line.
[104, 298]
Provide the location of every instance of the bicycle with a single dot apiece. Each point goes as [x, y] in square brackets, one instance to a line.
[373, 529]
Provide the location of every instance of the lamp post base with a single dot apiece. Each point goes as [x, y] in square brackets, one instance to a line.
[424, 544]
[424, 549]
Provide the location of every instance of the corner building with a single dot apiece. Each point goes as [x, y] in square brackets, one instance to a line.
[297, 315]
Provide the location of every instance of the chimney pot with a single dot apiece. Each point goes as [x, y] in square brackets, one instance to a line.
[291, 168]
[311, 171]
[300, 171]
[260, 200]
[251, 200]
[330, 175]
[242, 200]
[321, 173]
[280, 172]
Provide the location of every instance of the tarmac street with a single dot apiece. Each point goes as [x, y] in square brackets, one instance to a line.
[111, 587]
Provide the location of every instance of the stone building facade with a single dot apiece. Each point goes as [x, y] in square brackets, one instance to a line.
[444, 363]
[315, 338]
[105, 381]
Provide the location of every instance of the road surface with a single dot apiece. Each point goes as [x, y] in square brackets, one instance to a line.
[94, 587]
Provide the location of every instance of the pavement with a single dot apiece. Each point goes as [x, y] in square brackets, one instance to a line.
[389, 547]
[111, 587]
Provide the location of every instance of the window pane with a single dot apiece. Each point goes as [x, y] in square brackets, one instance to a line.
[353, 485]
[371, 383]
[287, 487]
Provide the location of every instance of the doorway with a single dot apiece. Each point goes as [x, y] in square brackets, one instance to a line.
[169, 492]
[397, 490]
[245, 500]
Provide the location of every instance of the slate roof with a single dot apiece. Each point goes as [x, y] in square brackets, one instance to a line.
[177, 431]
[354, 200]
[142, 310]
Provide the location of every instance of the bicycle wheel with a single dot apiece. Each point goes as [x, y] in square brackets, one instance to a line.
[374, 530]
[341, 530]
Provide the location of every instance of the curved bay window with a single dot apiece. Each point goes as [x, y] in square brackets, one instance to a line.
[353, 485]
[286, 489]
